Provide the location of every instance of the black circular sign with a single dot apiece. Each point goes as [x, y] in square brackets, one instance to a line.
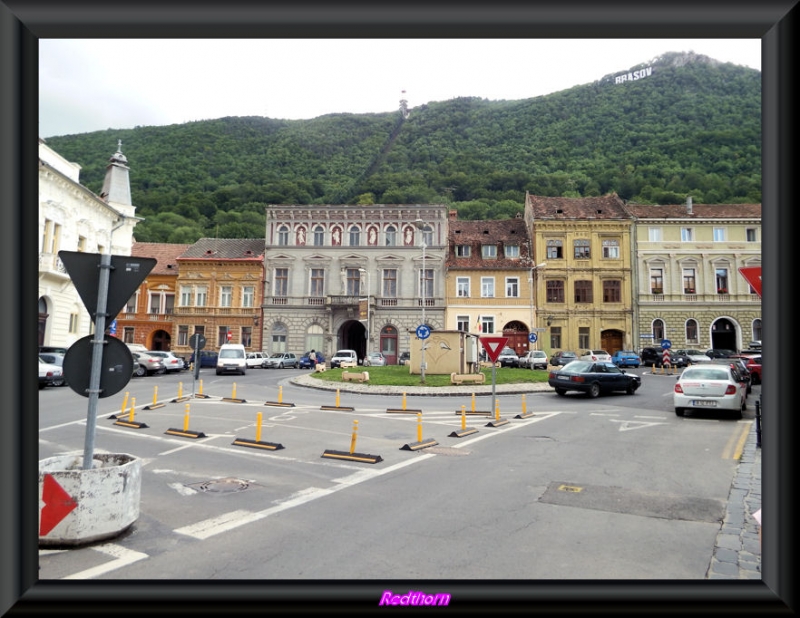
[197, 341]
[116, 366]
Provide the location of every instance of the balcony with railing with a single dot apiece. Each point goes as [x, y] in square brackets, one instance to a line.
[51, 263]
[335, 301]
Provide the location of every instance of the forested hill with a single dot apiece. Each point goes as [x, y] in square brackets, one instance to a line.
[681, 125]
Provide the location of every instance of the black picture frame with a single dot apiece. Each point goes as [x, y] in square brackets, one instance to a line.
[24, 22]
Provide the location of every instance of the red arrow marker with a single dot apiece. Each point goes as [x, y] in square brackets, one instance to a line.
[57, 505]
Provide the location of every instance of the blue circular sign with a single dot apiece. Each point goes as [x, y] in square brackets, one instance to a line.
[423, 332]
[666, 344]
[532, 337]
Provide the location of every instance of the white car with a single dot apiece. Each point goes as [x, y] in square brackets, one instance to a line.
[172, 363]
[534, 359]
[48, 374]
[709, 387]
[595, 355]
[374, 359]
[255, 360]
[349, 357]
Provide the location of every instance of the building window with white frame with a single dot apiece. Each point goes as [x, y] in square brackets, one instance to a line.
[390, 236]
[247, 336]
[201, 296]
[283, 235]
[281, 286]
[581, 249]
[248, 295]
[687, 234]
[462, 287]
[317, 289]
[611, 249]
[389, 282]
[486, 324]
[130, 306]
[555, 337]
[354, 236]
[487, 287]
[127, 334]
[462, 323]
[757, 329]
[225, 295]
[512, 287]
[584, 340]
[721, 278]
[319, 236]
[74, 320]
[750, 234]
[654, 234]
[278, 337]
[183, 334]
[658, 331]
[691, 331]
[689, 281]
[185, 297]
[512, 251]
[489, 252]
[555, 249]
[656, 280]
[463, 251]
[719, 234]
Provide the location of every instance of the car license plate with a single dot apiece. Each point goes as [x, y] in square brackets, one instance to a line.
[704, 404]
[563, 377]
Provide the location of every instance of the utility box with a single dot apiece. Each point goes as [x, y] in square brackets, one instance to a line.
[446, 352]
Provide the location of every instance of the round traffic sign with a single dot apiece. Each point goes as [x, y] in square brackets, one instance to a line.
[532, 337]
[666, 344]
[230, 335]
[423, 332]
[116, 366]
[197, 341]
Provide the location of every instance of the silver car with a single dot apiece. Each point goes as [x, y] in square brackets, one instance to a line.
[374, 359]
[279, 360]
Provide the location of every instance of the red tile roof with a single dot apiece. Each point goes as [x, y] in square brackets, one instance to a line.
[477, 233]
[164, 253]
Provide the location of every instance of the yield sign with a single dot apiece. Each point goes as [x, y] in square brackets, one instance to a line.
[57, 505]
[753, 276]
[493, 346]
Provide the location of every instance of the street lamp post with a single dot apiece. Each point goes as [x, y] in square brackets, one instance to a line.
[422, 226]
[367, 330]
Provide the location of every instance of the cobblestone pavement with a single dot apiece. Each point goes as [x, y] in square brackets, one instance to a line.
[737, 551]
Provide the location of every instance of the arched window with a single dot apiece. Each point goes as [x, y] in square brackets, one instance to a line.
[283, 235]
[319, 236]
[391, 236]
[314, 338]
[278, 337]
[757, 329]
[691, 331]
[658, 331]
[355, 236]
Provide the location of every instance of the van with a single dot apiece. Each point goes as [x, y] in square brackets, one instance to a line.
[232, 358]
[348, 357]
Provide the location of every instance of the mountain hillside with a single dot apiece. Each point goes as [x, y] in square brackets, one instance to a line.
[681, 125]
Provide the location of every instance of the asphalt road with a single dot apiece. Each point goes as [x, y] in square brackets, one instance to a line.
[616, 488]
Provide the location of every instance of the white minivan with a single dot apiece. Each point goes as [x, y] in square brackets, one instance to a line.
[232, 358]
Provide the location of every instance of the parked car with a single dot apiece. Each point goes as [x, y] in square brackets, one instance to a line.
[593, 378]
[281, 360]
[533, 359]
[651, 356]
[404, 358]
[346, 356]
[678, 359]
[508, 358]
[595, 356]
[713, 386]
[55, 358]
[374, 359]
[146, 365]
[48, 374]
[305, 360]
[626, 358]
[255, 360]
[562, 357]
[232, 358]
[720, 353]
[753, 364]
[52, 349]
[208, 358]
[740, 366]
[172, 363]
[695, 356]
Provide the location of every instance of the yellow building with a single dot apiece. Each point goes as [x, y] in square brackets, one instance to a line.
[583, 279]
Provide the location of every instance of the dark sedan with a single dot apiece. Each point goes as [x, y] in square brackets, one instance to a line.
[593, 378]
[563, 357]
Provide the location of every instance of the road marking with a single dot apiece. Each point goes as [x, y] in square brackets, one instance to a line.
[628, 425]
[733, 449]
[123, 557]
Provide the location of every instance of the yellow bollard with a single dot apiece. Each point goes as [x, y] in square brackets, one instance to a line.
[404, 402]
[180, 390]
[337, 397]
[473, 402]
[201, 388]
[419, 426]
[133, 407]
[258, 427]
[124, 403]
[155, 395]
[186, 419]
[463, 417]
[280, 394]
[523, 404]
[497, 410]
[233, 394]
[353, 439]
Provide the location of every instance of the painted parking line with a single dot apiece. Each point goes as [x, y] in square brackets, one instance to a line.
[122, 557]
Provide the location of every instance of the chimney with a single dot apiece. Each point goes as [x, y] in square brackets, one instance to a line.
[689, 205]
[453, 214]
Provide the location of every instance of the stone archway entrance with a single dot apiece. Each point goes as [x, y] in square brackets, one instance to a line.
[723, 335]
[161, 340]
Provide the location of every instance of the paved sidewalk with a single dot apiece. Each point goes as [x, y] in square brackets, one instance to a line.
[737, 552]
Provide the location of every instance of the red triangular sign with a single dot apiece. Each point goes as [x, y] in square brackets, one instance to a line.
[753, 276]
[493, 346]
[57, 505]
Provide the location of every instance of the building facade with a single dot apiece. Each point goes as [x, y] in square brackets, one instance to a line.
[488, 280]
[353, 277]
[73, 218]
[689, 288]
[584, 284]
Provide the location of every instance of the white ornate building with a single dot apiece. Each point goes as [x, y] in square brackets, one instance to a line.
[72, 218]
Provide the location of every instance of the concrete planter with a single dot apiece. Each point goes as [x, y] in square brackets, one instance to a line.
[88, 505]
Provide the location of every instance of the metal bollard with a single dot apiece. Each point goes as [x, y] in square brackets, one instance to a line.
[758, 422]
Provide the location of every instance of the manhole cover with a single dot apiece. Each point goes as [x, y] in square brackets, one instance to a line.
[221, 486]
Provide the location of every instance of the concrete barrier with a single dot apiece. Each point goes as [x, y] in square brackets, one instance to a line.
[353, 376]
[472, 378]
[347, 364]
[320, 367]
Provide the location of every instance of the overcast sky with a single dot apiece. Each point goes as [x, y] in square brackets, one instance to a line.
[96, 84]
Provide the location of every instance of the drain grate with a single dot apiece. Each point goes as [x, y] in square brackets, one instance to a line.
[222, 486]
